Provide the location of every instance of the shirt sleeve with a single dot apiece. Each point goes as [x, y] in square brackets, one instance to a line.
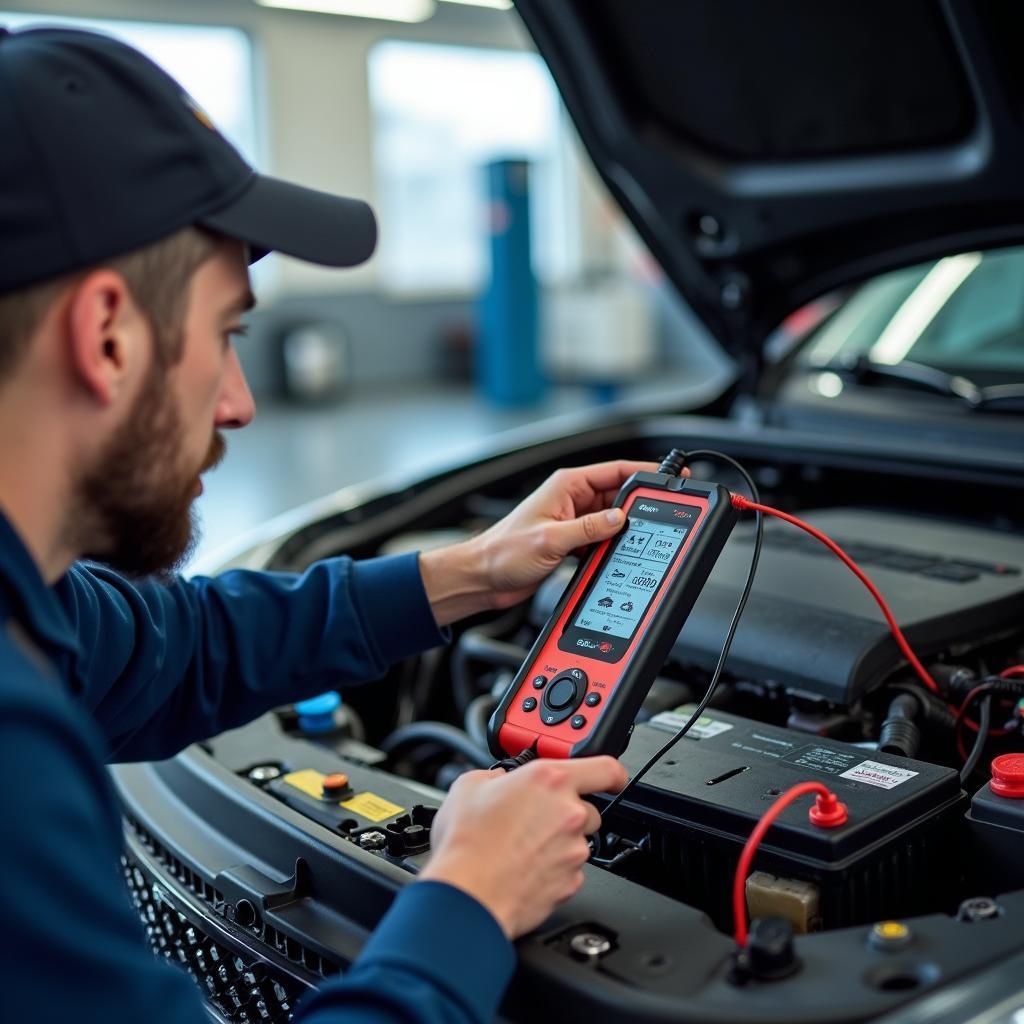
[73, 947]
[437, 955]
[165, 664]
[72, 944]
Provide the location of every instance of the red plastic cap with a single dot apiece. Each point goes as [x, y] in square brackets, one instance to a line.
[828, 811]
[1008, 776]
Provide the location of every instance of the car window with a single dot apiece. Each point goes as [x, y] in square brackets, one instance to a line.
[961, 314]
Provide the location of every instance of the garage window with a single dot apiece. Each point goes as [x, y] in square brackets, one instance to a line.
[441, 113]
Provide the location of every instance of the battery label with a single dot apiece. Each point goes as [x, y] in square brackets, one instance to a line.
[823, 759]
[371, 806]
[703, 729]
[885, 776]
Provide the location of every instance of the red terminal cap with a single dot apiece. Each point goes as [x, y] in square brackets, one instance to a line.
[335, 783]
[828, 811]
[1008, 776]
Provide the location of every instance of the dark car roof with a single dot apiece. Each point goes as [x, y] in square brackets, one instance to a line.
[771, 150]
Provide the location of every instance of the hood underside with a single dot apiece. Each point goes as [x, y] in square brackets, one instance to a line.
[769, 151]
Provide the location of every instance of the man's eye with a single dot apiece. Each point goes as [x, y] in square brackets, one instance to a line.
[233, 333]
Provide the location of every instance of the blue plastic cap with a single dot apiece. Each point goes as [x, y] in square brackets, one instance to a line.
[317, 714]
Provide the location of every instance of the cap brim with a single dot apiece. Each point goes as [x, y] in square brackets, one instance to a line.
[276, 216]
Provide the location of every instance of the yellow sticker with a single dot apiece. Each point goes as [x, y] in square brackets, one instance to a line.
[371, 806]
[308, 780]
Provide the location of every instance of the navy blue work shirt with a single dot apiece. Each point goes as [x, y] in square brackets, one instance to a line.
[97, 669]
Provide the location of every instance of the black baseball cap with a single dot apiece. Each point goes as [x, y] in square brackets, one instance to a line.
[102, 152]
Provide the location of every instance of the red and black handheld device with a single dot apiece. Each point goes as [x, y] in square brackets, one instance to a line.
[579, 690]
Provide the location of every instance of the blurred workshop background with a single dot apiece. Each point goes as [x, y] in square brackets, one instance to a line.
[506, 287]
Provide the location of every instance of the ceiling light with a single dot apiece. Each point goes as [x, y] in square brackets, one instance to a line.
[496, 5]
[410, 11]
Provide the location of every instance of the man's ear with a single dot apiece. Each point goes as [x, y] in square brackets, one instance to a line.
[107, 335]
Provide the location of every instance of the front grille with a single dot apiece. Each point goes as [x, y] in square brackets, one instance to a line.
[239, 986]
[286, 945]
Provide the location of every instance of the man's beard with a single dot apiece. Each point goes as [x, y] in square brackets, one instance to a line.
[134, 505]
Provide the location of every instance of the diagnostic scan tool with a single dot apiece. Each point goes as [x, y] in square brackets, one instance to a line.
[580, 689]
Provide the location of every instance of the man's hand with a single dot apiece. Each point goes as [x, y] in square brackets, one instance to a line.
[516, 842]
[506, 563]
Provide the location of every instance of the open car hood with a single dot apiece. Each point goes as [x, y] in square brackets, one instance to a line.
[770, 150]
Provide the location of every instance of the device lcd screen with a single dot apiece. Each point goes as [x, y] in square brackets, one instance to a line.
[625, 585]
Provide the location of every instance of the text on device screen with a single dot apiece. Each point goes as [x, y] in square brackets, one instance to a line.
[623, 589]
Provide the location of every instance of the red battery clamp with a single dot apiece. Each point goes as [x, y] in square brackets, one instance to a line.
[582, 685]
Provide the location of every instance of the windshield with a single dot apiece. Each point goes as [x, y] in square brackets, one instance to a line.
[963, 314]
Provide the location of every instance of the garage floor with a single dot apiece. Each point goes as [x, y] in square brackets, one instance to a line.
[292, 454]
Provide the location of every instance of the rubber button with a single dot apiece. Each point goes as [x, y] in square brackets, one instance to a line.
[561, 693]
[335, 784]
[539, 682]
[578, 721]
[1008, 776]
[592, 699]
[529, 703]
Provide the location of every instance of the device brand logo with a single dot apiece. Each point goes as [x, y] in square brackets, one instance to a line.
[592, 645]
[648, 508]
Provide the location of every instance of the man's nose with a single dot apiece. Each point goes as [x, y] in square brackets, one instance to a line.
[236, 407]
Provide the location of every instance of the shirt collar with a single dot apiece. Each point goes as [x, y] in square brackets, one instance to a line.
[27, 597]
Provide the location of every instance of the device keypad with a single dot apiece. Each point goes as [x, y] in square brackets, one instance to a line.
[563, 695]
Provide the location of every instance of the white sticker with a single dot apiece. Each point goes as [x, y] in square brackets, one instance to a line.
[703, 729]
[875, 774]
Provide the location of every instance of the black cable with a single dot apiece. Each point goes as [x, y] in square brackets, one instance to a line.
[440, 733]
[984, 723]
[510, 764]
[741, 604]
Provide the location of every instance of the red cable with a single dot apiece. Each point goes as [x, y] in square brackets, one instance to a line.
[739, 901]
[740, 502]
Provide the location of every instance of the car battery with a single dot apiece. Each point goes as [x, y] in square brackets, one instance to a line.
[996, 821]
[699, 803]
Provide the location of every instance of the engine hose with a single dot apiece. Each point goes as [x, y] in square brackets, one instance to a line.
[476, 646]
[900, 734]
[477, 716]
[443, 735]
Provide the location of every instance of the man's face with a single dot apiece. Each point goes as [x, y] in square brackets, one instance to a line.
[137, 497]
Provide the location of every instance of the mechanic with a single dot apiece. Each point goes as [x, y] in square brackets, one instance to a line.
[127, 223]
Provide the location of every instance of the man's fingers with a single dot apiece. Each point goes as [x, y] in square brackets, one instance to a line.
[607, 476]
[596, 774]
[593, 822]
[589, 529]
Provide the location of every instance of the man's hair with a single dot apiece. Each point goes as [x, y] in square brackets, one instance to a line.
[158, 276]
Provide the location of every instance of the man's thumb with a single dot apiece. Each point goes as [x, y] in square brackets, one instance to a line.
[592, 528]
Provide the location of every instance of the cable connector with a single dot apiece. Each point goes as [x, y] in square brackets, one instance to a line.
[828, 811]
[509, 764]
[673, 463]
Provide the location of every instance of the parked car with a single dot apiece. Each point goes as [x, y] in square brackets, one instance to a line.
[867, 159]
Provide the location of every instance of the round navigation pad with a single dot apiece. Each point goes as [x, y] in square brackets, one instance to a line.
[561, 693]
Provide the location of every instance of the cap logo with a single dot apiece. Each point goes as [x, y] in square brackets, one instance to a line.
[198, 113]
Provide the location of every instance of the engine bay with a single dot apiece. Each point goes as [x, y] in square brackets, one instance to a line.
[329, 809]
